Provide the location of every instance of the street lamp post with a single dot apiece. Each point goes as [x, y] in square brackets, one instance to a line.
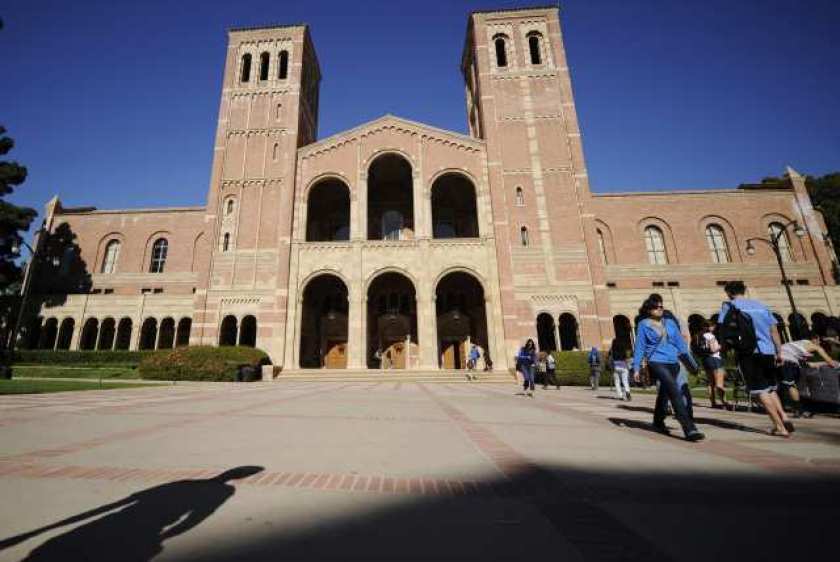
[773, 242]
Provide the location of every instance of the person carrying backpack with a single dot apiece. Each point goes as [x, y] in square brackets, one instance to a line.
[595, 367]
[705, 346]
[660, 343]
[749, 329]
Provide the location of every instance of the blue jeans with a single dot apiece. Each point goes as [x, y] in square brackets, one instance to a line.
[669, 389]
[528, 373]
[685, 392]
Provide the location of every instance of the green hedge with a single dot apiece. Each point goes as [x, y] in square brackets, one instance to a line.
[200, 363]
[46, 357]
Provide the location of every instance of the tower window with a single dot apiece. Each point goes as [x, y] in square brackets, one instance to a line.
[159, 250]
[112, 254]
[229, 207]
[276, 152]
[264, 59]
[283, 66]
[501, 52]
[277, 112]
[226, 242]
[523, 236]
[520, 197]
[246, 68]
[602, 246]
[534, 48]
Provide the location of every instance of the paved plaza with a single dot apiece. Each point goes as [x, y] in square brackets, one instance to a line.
[402, 471]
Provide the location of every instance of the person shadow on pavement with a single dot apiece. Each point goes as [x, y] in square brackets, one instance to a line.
[145, 519]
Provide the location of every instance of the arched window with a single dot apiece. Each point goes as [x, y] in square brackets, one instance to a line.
[112, 254]
[520, 197]
[501, 52]
[535, 48]
[283, 65]
[716, 240]
[602, 246]
[229, 206]
[159, 251]
[264, 58]
[226, 242]
[523, 236]
[655, 245]
[246, 68]
[275, 154]
[392, 224]
[278, 112]
[248, 332]
[777, 229]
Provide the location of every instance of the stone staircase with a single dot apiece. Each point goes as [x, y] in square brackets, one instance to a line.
[393, 375]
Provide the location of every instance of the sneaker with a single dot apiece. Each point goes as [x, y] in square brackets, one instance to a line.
[661, 427]
[531, 393]
[789, 426]
[695, 436]
[629, 398]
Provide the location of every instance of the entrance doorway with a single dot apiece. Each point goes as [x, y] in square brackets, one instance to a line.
[323, 328]
[461, 320]
[392, 322]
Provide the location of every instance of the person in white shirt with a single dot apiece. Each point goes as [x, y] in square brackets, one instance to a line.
[794, 355]
[706, 346]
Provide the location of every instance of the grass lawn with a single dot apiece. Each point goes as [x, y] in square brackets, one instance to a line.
[71, 372]
[23, 386]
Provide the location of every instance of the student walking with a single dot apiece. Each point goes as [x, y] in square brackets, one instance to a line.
[660, 343]
[525, 360]
[551, 371]
[794, 355]
[619, 352]
[682, 378]
[749, 329]
[472, 361]
[706, 346]
[594, 367]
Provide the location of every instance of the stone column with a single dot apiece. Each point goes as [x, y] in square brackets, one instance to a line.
[77, 333]
[136, 330]
[427, 328]
[355, 327]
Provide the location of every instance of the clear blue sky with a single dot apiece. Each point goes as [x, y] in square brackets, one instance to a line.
[114, 103]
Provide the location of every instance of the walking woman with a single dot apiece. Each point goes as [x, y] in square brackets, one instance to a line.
[525, 360]
[660, 343]
[619, 353]
[707, 348]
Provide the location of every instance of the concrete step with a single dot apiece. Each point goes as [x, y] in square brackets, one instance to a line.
[376, 375]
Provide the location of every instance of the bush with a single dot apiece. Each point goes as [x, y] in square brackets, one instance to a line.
[47, 357]
[200, 363]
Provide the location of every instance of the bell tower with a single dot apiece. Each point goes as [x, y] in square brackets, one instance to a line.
[268, 109]
[519, 100]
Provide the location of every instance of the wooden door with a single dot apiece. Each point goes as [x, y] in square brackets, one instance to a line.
[448, 355]
[398, 355]
[336, 357]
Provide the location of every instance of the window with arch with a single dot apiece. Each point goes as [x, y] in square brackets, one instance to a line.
[275, 153]
[520, 197]
[535, 48]
[777, 229]
[245, 76]
[501, 51]
[112, 254]
[159, 250]
[602, 246]
[283, 65]
[655, 245]
[278, 112]
[523, 236]
[264, 60]
[226, 242]
[229, 206]
[716, 240]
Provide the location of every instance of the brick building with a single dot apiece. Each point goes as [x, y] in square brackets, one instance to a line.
[400, 242]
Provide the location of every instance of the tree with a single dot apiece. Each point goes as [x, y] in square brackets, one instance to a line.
[13, 219]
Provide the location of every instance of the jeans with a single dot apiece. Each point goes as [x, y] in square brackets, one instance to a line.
[594, 377]
[621, 378]
[685, 391]
[666, 374]
[528, 373]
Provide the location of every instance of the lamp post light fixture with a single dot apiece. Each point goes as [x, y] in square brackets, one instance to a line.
[773, 242]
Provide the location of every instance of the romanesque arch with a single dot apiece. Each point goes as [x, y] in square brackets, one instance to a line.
[229, 330]
[461, 319]
[123, 340]
[148, 333]
[106, 334]
[248, 331]
[90, 332]
[166, 335]
[49, 334]
[65, 333]
[569, 332]
[546, 332]
[391, 321]
[328, 211]
[324, 323]
[454, 209]
[390, 198]
[182, 334]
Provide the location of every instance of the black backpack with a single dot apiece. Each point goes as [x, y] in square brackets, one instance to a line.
[737, 332]
[700, 345]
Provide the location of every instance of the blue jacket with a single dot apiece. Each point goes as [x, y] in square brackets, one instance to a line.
[649, 345]
[525, 358]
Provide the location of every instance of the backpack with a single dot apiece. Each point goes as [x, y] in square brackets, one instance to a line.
[700, 345]
[737, 332]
